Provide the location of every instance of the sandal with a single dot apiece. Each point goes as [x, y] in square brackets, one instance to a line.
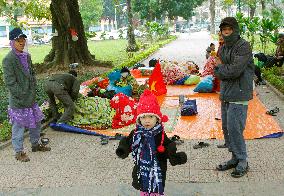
[226, 165]
[104, 140]
[222, 145]
[117, 136]
[273, 111]
[177, 139]
[200, 145]
[44, 141]
[240, 172]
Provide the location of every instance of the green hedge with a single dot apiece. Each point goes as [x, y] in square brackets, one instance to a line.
[273, 76]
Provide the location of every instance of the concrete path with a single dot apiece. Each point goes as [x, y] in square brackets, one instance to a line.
[187, 47]
[79, 165]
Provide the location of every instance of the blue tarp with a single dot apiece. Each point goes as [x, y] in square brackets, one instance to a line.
[274, 135]
[72, 129]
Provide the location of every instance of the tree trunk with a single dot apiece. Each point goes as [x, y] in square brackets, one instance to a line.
[212, 16]
[66, 16]
[263, 6]
[132, 46]
[252, 11]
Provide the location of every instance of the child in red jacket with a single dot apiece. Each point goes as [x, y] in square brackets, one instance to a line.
[150, 148]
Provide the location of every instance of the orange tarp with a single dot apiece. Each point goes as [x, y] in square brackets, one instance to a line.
[204, 125]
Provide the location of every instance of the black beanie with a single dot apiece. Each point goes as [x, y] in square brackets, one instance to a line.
[229, 21]
[124, 69]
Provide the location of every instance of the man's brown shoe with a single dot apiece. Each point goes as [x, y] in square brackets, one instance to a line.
[40, 147]
[22, 156]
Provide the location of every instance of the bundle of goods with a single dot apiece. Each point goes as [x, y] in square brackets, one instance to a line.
[114, 77]
[193, 79]
[192, 68]
[96, 87]
[172, 72]
[205, 86]
[125, 108]
[146, 71]
[209, 66]
[93, 111]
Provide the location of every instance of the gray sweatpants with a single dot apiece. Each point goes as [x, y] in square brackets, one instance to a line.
[233, 124]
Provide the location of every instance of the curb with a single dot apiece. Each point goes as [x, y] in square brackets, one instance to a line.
[277, 92]
[26, 134]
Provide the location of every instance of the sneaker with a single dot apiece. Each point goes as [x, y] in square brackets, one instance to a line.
[22, 156]
[40, 147]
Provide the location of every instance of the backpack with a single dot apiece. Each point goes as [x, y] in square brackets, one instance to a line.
[189, 108]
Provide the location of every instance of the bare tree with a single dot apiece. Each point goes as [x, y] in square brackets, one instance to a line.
[212, 16]
[132, 46]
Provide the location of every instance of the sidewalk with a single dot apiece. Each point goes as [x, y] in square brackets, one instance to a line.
[79, 165]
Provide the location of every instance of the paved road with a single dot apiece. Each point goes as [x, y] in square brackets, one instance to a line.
[188, 47]
[79, 165]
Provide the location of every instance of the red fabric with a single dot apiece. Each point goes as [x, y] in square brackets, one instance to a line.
[103, 83]
[216, 85]
[209, 67]
[125, 108]
[148, 104]
[89, 82]
[156, 82]
[136, 73]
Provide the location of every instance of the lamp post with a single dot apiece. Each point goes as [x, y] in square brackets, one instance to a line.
[115, 13]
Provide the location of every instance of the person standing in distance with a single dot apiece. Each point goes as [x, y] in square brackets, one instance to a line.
[235, 69]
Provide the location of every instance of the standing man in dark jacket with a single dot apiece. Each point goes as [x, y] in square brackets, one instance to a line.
[65, 87]
[235, 69]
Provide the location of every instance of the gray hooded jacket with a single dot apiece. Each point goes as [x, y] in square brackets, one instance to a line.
[237, 69]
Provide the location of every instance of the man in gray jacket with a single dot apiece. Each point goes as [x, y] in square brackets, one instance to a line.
[65, 87]
[235, 69]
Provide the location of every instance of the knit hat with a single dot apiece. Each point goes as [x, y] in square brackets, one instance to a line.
[229, 21]
[148, 104]
[16, 33]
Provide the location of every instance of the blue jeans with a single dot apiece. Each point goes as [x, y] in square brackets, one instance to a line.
[18, 136]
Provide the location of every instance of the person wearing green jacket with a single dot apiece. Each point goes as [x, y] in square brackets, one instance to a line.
[24, 112]
[65, 87]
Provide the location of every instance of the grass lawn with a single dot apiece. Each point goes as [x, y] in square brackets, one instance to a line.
[107, 50]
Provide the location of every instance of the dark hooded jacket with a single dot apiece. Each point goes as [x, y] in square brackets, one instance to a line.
[175, 158]
[68, 82]
[237, 69]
